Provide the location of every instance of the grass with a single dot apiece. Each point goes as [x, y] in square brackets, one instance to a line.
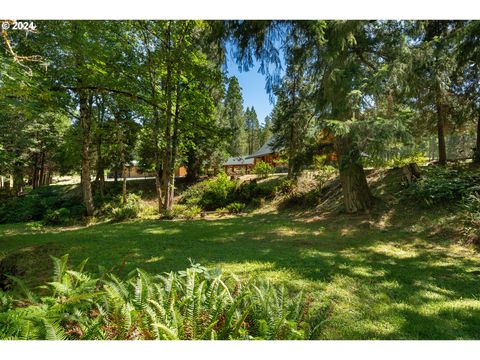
[381, 276]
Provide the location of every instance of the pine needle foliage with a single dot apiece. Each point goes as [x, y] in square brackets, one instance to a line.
[197, 303]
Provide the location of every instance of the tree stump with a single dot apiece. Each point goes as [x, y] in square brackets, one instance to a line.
[411, 172]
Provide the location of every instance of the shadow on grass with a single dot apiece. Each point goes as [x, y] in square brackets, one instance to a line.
[415, 288]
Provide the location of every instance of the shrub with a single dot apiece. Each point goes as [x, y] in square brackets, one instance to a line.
[35, 204]
[263, 169]
[286, 186]
[399, 161]
[128, 209]
[124, 213]
[235, 208]
[442, 185]
[210, 194]
[192, 212]
[196, 303]
[182, 211]
[218, 192]
[56, 217]
[471, 205]
[324, 174]
[249, 192]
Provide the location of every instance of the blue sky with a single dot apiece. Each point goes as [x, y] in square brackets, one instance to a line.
[253, 88]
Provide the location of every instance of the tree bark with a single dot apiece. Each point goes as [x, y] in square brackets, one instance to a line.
[194, 166]
[158, 188]
[124, 168]
[476, 154]
[35, 171]
[442, 151]
[42, 169]
[170, 191]
[18, 180]
[156, 117]
[167, 165]
[85, 125]
[356, 193]
[100, 175]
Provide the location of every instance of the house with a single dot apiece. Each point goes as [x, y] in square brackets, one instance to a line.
[326, 146]
[245, 164]
[238, 164]
[267, 154]
[132, 171]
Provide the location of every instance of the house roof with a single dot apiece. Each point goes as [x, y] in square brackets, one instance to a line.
[238, 161]
[266, 149]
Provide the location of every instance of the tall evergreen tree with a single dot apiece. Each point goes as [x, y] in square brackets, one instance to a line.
[235, 117]
[468, 76]
[265, 130]
[350, 62]
[433, 67]
[252, 129]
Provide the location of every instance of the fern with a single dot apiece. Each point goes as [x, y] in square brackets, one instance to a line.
[195, 303]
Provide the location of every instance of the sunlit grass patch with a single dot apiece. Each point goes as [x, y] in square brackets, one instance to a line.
[374, 284]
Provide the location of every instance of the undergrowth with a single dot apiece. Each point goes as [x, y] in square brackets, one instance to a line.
[196, 303]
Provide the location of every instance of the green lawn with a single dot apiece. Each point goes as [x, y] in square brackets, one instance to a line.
[390, 283]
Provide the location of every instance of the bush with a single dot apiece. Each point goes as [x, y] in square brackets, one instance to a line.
[286, 186]
[471, 205]
[192, 212]
[235, 208]
[124, 213]
[35, 204]
[263, 169]
[400, 161]
[249, 192]
[182, 211]
[196, 303]
[122, 210]
[210, 194]
[442, 185]
[56, 217]
[220, 191]
[324, 174]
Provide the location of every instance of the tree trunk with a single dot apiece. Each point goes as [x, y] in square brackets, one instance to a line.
[152, 72]
[100, 176]
[121, 141]
[35, 171]
[124, 173]
[476, 154]
[85, 124]
[194, 166]
[158, 187]
[167, 165]
[18, 180]
[173, 156]
[42, 169]
[442, 151]
[356, 193]
[45, 177]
